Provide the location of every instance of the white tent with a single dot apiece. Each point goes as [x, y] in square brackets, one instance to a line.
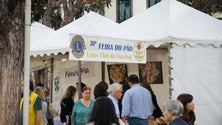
[196, 70]
[91, 24]
[172, 20]
[38, 32]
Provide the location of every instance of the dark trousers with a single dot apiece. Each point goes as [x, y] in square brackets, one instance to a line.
[137, 121]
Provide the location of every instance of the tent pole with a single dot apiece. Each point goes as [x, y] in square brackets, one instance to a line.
[103, 70]
[27, 61]
[169, 46]
[51, 75]
[79, 79]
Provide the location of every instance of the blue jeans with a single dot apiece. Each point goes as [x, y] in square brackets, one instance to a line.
[137, 121]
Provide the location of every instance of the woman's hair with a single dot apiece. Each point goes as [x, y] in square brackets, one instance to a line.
[105, 85]
[188, 116]
[82, 85]
[85, 88]
[39, 91]
[70, 92]
[174, 107]
[103, 112]
[147, 86]
[99, 91]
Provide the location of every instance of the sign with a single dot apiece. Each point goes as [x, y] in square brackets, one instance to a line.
[70, 75]
[89, 48]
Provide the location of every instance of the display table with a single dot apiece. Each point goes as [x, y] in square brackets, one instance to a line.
[57, 121]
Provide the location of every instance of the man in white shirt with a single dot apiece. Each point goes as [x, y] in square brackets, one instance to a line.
[115, 93]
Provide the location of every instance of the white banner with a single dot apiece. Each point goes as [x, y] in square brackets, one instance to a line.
[89, 48]
[70, 75]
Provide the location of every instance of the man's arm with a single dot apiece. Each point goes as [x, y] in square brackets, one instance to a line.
[125, 106]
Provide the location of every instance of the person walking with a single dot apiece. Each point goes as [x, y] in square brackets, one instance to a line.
[67, 103]
[137, 103]
[188, 105]
[103, 113]
[172, 111]
[115, 93]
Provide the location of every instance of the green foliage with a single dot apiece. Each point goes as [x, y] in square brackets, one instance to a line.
[206, 6]
[37, 9]
[95, 5]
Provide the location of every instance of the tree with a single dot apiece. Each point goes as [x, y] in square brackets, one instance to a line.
[11, 59]
[206, 6]
[50, 12]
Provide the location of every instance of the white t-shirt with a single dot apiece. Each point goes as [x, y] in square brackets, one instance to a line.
[44, 109]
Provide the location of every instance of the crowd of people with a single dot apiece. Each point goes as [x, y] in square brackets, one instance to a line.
[113, 104]
[40, 110]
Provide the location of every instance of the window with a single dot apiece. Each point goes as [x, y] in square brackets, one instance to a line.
[124, 10]
[152, 2]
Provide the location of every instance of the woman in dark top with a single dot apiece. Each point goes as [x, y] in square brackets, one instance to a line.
[67, 103]
[156, 111]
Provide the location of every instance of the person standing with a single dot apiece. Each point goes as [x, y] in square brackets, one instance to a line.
[172, 111]
[39, 91]
[156, 111]
[49, 113]
[125, 87]
[82, 108]
[137, 103]
[188, 105]
[115, 93]
[67, 103]
[35, 106]
[77, 92]
[103, 113]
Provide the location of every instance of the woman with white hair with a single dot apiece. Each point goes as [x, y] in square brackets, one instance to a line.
[115, 93]
[172, 112]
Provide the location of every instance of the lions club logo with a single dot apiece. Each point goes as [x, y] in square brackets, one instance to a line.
[77, 46]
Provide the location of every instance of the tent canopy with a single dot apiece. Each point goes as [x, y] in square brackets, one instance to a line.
[38, 32]
[171, 20]
[91, 24]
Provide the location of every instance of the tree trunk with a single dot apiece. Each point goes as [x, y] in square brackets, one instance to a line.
[69, 11]
[52, 5]
[11, 59]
